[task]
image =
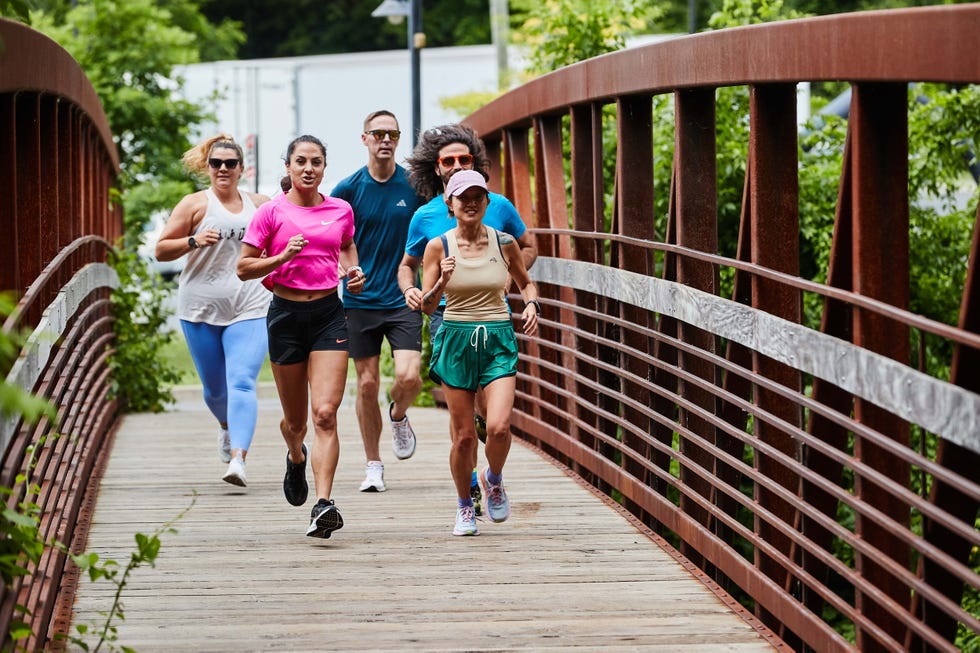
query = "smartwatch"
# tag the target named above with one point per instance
(192, 243)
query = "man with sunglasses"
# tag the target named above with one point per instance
(383, 202)
(442, 152)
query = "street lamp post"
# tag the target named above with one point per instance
(396, 11)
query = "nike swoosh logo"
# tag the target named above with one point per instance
(340, 342)
(326, 224)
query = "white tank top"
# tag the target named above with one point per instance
(208, 289)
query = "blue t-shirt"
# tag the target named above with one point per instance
(433, 220)
(382, 212)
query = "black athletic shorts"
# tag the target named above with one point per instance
(298, 328)
(366, 327)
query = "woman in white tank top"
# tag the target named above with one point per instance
(222, 317)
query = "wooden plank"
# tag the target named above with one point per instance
(240, 575)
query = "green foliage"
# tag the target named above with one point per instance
(141, 379)
(561, 32)
(340, 26)
(128, 50)
(466, 103)
(734, 13)
(144, 200)
(147, 550)
(18, 9)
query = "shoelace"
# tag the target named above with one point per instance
(402, 434)
(496, 493)
(475, 338)
(467, 513)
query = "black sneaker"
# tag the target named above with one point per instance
(477, 497)
(294, 485)
(481, 429)
(324, 519)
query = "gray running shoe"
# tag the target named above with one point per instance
(498, 507)
(402, 436)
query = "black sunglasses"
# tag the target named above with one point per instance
(450, 160)
(379, 134)
(231, 164)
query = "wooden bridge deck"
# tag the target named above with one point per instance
(567, 571)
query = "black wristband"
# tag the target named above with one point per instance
(534, 302)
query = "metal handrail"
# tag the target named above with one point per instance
(725, 424)
(59, 227)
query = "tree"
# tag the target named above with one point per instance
(560, 32)
(340, 26)
(128, 50)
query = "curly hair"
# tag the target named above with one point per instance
(422, 164)
(196, 158)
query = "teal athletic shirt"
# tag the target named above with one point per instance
(382, 212)
(433, 220)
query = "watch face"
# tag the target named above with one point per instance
(192, 243)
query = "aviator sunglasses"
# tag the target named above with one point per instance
(231, 164)
(450, 160)
(379, 134)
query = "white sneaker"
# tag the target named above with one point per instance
(224, 445)
(236, 472)
(465, 521)
(402, 436)
(374, 481)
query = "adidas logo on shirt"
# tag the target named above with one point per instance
(401, 203)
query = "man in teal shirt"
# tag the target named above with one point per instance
(384, 202)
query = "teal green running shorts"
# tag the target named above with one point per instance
(468, 355)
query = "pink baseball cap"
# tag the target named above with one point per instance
(465, 179)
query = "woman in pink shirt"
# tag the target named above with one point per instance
(297, 241)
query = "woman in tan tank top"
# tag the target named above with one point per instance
(476, 346)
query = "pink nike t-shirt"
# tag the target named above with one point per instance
(327, 226)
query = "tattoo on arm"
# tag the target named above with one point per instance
(434, 293)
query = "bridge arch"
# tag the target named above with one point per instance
(58, 164)
(724, 423)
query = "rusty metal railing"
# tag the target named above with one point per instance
(57, 165)
(788, 463)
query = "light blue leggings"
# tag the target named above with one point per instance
(228, 359)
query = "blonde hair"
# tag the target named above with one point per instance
(196, 158)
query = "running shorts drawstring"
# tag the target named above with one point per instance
(475, 338)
